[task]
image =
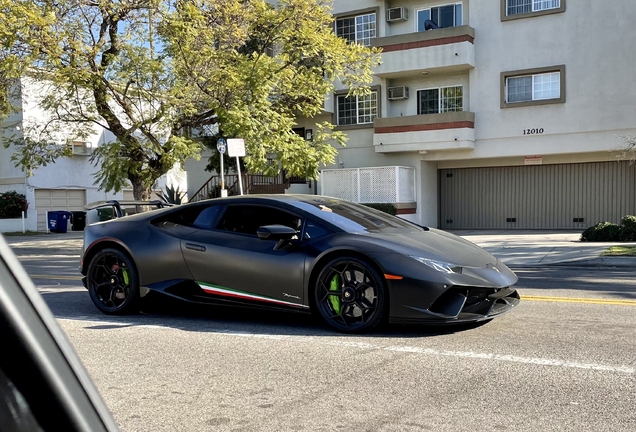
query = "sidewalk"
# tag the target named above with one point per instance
(537, 248)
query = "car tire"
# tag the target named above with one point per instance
(359, 300)
(113, 282)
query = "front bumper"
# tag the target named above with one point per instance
(461, 305)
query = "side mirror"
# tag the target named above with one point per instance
(276, 232)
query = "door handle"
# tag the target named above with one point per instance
(195, 247)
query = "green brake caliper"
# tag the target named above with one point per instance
(334, 299)
(124, 272)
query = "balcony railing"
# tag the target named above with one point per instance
(445, 131)
(392, 184)
(441, 50)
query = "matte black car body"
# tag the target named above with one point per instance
(208, 265)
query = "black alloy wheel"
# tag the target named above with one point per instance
(350, 295)
(113, 283)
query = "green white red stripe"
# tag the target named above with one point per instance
(227, 292)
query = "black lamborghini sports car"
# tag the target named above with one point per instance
(351, 264)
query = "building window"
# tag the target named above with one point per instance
(537, 86)
(533, 87)
(440, 100)
(444, 16)
(359, 29)
(515, 7)
(357, 109)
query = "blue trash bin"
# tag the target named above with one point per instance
(58, 221)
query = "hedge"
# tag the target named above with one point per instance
(12, 204)
(386, 208)
(609, 232)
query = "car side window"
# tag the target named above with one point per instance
(313, 230)
(195, 216)
(206, 217)
(247, 219)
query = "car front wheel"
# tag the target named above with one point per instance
(350, 295)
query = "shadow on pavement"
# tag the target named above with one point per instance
(173, 313)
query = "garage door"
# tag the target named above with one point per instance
(540, 196)
(57, 199)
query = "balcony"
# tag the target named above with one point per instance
(444, 50)
(446, 131)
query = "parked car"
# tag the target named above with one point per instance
(353, 265)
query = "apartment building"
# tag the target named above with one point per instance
(67, 184)
(507, 116)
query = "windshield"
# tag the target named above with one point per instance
(355, 218)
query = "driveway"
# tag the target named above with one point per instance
(541, 247)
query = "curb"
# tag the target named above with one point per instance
(591, 262)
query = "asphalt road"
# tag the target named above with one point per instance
(564, 361)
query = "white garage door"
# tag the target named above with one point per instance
(57, 199)
(539, 196)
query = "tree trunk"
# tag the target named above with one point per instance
(140, 191)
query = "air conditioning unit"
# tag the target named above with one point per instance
(81, 148)
(396, 93)
(397, 14)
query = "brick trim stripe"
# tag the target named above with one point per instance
(406, 211)
(428, 43)
(426, 127)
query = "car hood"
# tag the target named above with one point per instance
(438, 245)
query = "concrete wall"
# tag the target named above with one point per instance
(599, 62)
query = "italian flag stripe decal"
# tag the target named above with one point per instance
(227, 292)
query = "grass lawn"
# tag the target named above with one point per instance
(28, 233)
(620, 251)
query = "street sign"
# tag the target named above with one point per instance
(236, 147)
(220, 145)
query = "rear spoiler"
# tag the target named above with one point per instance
(117, 204)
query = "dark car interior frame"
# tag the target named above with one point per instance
(40, 373)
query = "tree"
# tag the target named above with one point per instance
(153, 71)
(22, 32)
(628, 149)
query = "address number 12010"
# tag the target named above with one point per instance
(532, 131)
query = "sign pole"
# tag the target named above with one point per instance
(238, 168)
(236, 147)
(220, 146)
(222, 177)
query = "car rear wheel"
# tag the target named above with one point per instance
(350, 295)
(113, 283)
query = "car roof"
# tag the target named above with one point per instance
(287, 198)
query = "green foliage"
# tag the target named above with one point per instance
(12, 204)
(171, 195)
(152, 72)
(602, 232)
(606, 231)
(628, 228)
(37, 147)
(24, 27)
(386, 208)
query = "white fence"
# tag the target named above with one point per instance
(392, 184)
(13, 225)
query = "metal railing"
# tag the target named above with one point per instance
(252, 184)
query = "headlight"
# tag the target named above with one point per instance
(439, 265)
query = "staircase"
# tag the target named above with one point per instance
(252, 184)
